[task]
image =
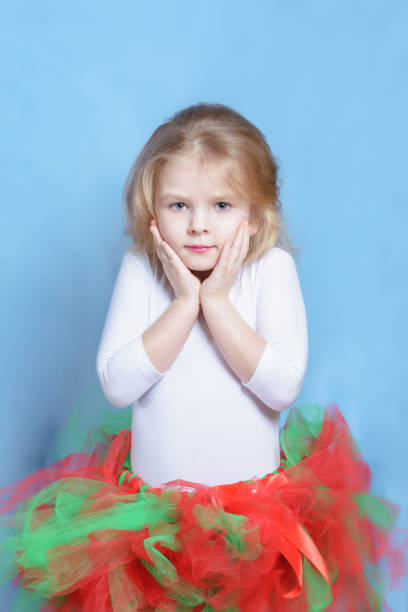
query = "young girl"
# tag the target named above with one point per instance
(203, 505)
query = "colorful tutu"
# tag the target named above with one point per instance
(89, 535)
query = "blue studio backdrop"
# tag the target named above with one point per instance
(85, 84)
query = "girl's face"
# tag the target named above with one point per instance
(194, 206)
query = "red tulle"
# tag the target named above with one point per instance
(305, 534)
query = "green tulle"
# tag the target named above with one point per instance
(91, 420)
(41, 538)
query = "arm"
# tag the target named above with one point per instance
(164, 339)
(123, 364)
(270, 361)
(241, 346)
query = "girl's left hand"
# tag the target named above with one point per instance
(222, 278)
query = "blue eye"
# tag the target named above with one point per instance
(175, 204)
(226, 203)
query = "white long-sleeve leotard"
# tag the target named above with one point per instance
(198, 421)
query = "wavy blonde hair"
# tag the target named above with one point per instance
(211, 133)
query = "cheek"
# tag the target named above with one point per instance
(170, 231)
(231, 230)
(164, 225)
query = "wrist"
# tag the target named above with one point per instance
(213, 301)
(189, 303)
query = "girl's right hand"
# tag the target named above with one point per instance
(185, 284)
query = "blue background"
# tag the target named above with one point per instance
(85, 84)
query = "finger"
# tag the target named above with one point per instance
(156, 235)
(232, 243)
(232, 246)
(159, 244)
(167, 251)
(237, 234)
(240, 245)
(241, 232)
(228, 258)
(238, 240)
(245, 243)
(226, 250)
(245, 232)
(153, 226)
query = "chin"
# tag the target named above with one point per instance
(201, 270)
(201, 261)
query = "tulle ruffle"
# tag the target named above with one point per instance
(89, 535)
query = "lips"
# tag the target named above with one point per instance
(199, 248)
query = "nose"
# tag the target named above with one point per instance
(198, 224)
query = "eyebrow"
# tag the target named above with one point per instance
(181, 197)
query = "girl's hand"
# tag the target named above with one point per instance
(185, 284)
(222, 278)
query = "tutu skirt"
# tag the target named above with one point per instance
(89, 535)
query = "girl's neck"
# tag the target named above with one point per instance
(201, 274)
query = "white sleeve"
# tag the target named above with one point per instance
(281, 321)
(123, 366)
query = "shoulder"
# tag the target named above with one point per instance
(276, 268)
(136, 261)
(276, 257)
(277, 277)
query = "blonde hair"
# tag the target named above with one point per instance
(212, 133)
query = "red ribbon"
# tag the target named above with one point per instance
(293, 541)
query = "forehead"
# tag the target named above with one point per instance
(193, 173)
